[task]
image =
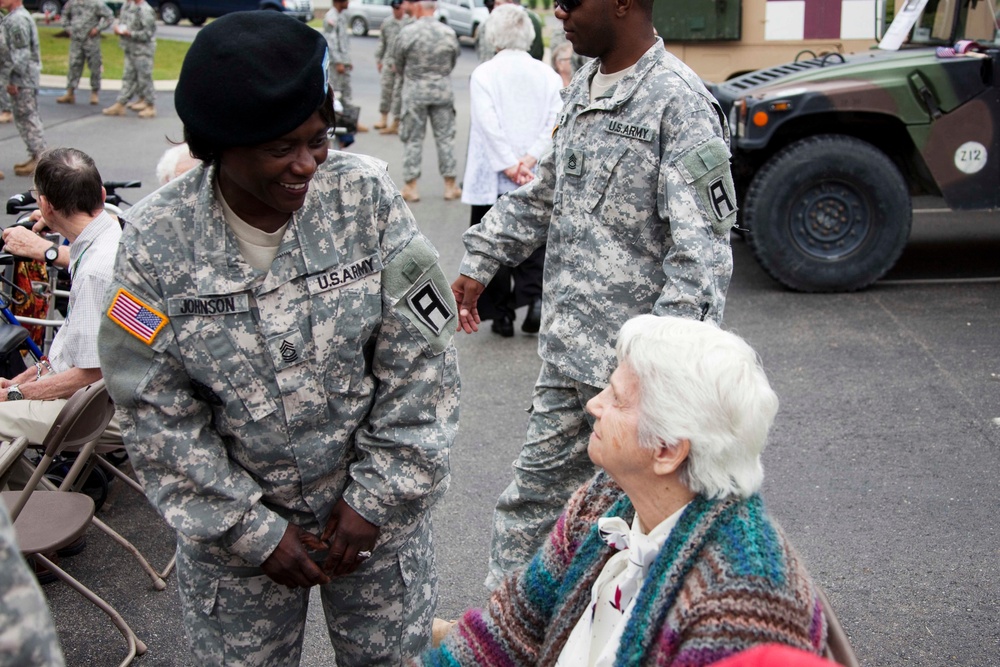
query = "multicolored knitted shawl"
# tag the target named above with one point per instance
(725, 580)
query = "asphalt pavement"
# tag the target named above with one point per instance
(882, 467)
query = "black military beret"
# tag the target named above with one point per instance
(396, 3)
(250, 77)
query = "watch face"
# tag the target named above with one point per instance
(51, 254)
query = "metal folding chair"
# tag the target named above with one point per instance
(46, 521)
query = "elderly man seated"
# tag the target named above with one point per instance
(667, 556)
(70, 198)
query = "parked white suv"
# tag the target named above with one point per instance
(464, 16)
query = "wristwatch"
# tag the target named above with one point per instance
(14, 394)
(52, 254)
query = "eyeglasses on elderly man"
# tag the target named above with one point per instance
(667, 556)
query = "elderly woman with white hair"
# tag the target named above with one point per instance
(514, 100)
(667, 556)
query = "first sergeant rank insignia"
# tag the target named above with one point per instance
(430, 308)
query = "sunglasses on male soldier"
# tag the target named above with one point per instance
(568, 5)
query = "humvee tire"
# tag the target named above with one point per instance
(828, 213)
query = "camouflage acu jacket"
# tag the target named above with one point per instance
(20, 54)
(248, 400)
(635, 202)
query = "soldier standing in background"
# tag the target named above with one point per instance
(338, 40)
(635, 202)
(84, 20)
(20, 69)
(396, 106)
(6, 105)
(426, 53)
(281, 336)
(387, 34)
(136, 29)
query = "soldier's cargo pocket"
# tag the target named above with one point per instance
(407, 126)
(598, 184)
(232, 613)
(211, 359)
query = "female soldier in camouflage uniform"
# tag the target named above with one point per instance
(279, 345)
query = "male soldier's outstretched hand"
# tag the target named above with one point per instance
(467, 291)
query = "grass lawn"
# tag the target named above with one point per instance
(55, 56)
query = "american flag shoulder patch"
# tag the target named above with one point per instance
(136, 317)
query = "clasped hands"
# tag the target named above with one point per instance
(521, 172)
(346, 535)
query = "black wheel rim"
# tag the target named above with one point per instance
(830, 220)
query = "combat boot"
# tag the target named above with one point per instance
(26, 169)
(1, 175)
(451, 190)
(6, 117)
(94, 99)
(23, 164)
(410, 191)
(138, 105)
(361, 128)
(392, 129)
(68, 98)
(148, 112)
(382, 122)
(116, 109)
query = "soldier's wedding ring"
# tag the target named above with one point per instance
(364, 555)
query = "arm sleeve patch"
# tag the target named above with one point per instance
(415, 286)
(706, 169)
(137, 318)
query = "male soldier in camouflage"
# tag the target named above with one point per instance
(20, 68)
(27, 635)
(426, 52)
(136, 29)
(280, 332)
(383, 62)
(84, 20)
(635, 202)
(389, 60)
(338, 40)
(6, 105)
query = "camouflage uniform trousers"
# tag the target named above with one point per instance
(341, 83)
(5, 103)
(379, 615)
(85, 51)
(27, 635)
(27, 120)
(396, 106)
(553, 463)
(412, 129)
(387, 82)
(137, 78)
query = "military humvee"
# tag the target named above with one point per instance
(828, 151)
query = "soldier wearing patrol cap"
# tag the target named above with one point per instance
(278, 343)
(635, 202)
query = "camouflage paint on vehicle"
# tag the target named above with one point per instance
(933, 112)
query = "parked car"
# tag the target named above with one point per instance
(196, 11)
(464, 16)
(828, 151)
(54, 7)
(365, 15)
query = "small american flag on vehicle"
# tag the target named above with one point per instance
(135, 317)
